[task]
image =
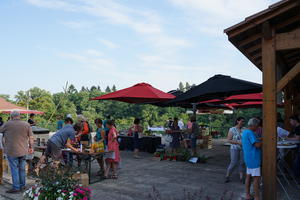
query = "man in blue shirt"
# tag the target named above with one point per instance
(252, 156)
(61, 139)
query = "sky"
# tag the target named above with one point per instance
(46, 43)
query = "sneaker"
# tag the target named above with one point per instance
(137, 157)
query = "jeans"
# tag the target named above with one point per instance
(236, 159)
(18, 173)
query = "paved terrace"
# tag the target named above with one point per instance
(138, 177)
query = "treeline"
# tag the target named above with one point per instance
(73, 101)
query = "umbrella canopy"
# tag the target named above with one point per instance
(237, 99)
(218, 86)
(139, 93)
(176, 93)
(7, 107)
(254, 104)
(22, 111)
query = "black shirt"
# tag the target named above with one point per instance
(295, 131)
(31, 122)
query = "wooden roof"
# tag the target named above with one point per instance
(284, 16)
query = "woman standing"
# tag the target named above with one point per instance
(236, 153)
(136, 130)
(176, 136)
(100, 137)
(113, 146)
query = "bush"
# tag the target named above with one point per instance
(57, 184)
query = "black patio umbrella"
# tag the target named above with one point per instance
(216, 87)
(189, 105)
(165, 103)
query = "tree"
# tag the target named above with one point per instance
(187, 86)
(93, 88)
(107, 90)
(181, 87)
(114, 88)
(72, 89)
(5, 96)
(82, 89)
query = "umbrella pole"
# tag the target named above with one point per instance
(194, 108)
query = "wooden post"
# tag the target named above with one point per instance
(269, 113)
(1, 166)
(288, 107)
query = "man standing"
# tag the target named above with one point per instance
(31, 119)
(18, 142)
(252, 155)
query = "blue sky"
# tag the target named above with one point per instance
(46, 43)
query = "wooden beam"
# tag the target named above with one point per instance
(287, 22)
(288, 107)
(288, 77)
(256, 56)
(289, 40)
(250, 39)
(258, 19)
(253, 48)
(269, 115)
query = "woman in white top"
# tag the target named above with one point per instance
(236, 152)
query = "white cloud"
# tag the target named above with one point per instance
(143, 21)
(77, 24)
(212, 16)
(89, 58)
(108, 43)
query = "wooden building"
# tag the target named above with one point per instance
(270, 39)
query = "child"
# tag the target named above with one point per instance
(113, 146)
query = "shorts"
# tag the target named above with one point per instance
(193, 143)
(109, 156)
(53, 151)
(253, 171)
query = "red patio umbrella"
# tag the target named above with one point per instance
(7, 107)
(255, 97)
(139, 93)
(254, 104)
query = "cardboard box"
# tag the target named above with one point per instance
(83, 178)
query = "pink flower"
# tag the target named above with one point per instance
(75, 194)
(85, 198)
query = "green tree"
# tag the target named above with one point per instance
(107, 90)
(187, 86)
(181, 87)
(72, 89)
(5, 96)
(113, 88)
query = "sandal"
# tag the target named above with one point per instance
(105, 177)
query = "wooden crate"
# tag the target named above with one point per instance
(207, 142)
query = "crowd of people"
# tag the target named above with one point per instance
(18, 142)
(245, 145)
(182, 133)
(246, 153)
